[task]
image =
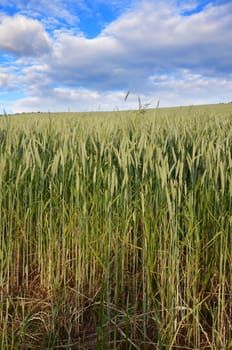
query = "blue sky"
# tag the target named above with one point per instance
(84, 55)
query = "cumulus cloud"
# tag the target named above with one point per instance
(165, 39)
(174, 89)
(143, 42)
(98, 62)
(22, 36)
(153, 49)
(192, 88)
(65, 99)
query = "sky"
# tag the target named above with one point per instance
(85, 55)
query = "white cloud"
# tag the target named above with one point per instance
(179, 88)
(143, 42)
(186, 87)
(187, 5)
(77, 61)
(165, 38)
(23, 36)
(4, 80)
(152, 49)
(64, 99)
(8, 79)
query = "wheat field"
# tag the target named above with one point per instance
(116, 230)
